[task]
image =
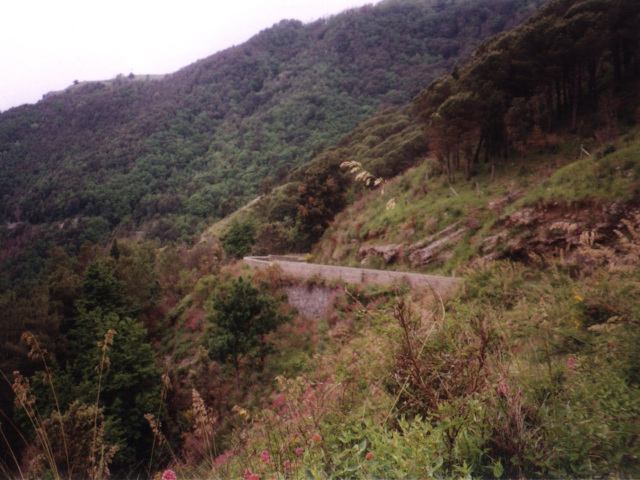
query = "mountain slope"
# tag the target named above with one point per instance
(160, 155)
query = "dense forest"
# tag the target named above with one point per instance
(574, 67)
(136, 347)
(161, 157)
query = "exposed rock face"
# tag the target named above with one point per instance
(559, 229)
(420, 253)
(390, 253)
(429, 253)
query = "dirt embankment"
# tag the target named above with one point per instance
(560, 229)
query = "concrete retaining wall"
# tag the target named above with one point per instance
(354, 275)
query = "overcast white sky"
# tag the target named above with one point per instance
(47, 44)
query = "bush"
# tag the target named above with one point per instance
(240, 237)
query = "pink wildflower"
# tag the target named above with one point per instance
(289, 466)
(299, 451)
(247, 474)
(571, 363)
(503, 389)
(265, 457)
(255, 476)
(370, 456)
(316, 437)
(224, 457)
(169, 475)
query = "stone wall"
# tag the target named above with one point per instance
(313, 301)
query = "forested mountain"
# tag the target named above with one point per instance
(518, 171)
(573, 67)
(161, 155)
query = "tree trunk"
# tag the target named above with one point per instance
(576, 96)
(549, 107)
(472, 161)
(592, 83)
(559, 99)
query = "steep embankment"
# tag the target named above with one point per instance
(526, 213)
(526, 103)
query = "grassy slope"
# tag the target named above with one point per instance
(498, 371)
(425, 203)
(560, 338)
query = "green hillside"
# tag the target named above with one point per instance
(572, 69)
(165, 156)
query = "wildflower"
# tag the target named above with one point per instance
(224, 457)
(316, 437)
(503, 389)
(255, 476)
(370, 456)
(169, 475)
(571, 363)
(299, 451)
(247, 474)
(265, 457)
(288, 466)
(612, 345)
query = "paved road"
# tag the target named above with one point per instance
(353, 275)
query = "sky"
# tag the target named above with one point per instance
(47, 44)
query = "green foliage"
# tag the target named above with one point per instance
(96, 230)
(241, 316)
(101, 289)
(272, 238)
(239, 238)
(537, 78)
(129, 383)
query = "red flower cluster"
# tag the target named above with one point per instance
(169, 475)
(503, 389)
(289, 467)
(251, 476)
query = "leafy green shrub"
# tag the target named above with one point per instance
(241, 316)
(272, 238)
(239, 238)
